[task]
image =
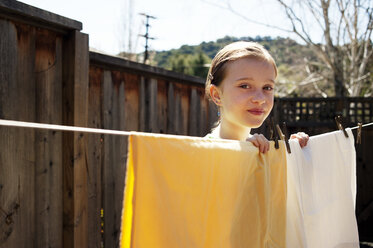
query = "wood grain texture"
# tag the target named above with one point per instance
(110, 218)
(171, 109)
(115, 154)
(95, 157)
(108, 110)
(8, 175)
(131, 101)
(178, 116)
(151, 116)
(185, 105)
(48, 144)
(17, 171)
(119, 167)
(75, 112)
(162, 111)
(142, 105)
(117, 63)
(194, 113)
(80, 141)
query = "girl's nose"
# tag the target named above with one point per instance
(258, 97)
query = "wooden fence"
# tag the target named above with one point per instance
(58, 188)
(54, 185)
(129, 96)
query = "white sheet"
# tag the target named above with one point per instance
(322, 192)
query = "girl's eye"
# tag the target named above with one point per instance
(244, 86)
(269, 88)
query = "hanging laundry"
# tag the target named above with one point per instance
(192, 192)
(322, 193)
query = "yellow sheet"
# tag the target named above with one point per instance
(192, 192)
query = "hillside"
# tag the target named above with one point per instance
(288, 54)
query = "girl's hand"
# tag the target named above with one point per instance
(302, 138)
(259, 141)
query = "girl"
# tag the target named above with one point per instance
(241, 83)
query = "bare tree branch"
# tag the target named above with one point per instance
(342, 9)
(366, 43)
(315, 12)
(229, 7)
(346, 48)
(323, 94)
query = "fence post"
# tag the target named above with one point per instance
(75, 113)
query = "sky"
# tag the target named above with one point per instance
(115, 25)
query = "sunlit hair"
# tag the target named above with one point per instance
(232, 52)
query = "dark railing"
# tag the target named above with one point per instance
(311, 112)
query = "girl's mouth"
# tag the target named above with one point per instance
(256, 111)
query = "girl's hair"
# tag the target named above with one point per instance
(232, 52)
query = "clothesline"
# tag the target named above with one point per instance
(12, 123)
(365, 125)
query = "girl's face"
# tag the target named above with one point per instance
(245, 95)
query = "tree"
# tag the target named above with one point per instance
(346, 47)
(347, 43)
(199, 65)
(180, 63)
(191, 64)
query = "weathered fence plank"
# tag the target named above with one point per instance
(178, 110)
(193, 113)
(119, 168)
(48, 144)
(131, 89)
(185, 104)
(115, 149)
(21, 99)
(142, 105)
(151, 117)
(75, 113)
(162, 111)
(171, 109)
(95, 145)
(17, 175)
(108, 161)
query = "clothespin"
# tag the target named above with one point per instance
(273, 133)
(338, 120)
(283, 137)
(280, 132)
(286, 137)
(269, 125)
(358, 138)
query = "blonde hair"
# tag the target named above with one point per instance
(232, 52)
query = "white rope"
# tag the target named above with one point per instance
(10, 123)
(365, 125)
